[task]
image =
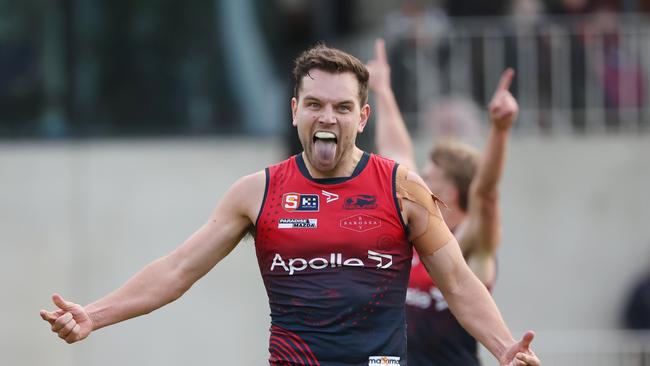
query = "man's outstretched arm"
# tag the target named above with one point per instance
(167, 278)
(468, 298)
(472, 305)
(392, 139)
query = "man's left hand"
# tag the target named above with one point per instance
(520, 354)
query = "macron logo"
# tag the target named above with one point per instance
(383, 360)
(330, 197)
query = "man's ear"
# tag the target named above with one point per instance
(365, 114)
(294, 109)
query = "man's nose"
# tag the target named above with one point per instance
(328, 115)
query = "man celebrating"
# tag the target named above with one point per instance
(330, 227)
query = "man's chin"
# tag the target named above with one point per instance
(324, 166)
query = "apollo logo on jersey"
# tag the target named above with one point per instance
(383, 360)
(334, 260)
(292, 202)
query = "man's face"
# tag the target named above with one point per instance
(328, 116)
(438, 183)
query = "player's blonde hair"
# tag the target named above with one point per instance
(459, 162)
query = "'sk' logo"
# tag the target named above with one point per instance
(379, 257)
(330, 197)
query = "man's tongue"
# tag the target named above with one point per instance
(325, 150)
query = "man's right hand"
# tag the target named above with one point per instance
(70, 321)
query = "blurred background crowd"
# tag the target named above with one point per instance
(141, 68)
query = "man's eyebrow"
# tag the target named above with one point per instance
(313, 98)
(347, 101)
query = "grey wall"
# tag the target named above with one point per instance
(81, 218)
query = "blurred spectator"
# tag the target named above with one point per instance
(528, 46)
(617, 66)
(416, 36)
(598, 53)
(464, 8)
(637, 306)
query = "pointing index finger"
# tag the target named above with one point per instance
(506, 79)
(46, 315)
(50, 317)
(380, 50)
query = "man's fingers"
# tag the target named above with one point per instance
(67, 328)
(61, 303)
(527, 359)
(506, 79)
(527, 339)
(51, 316)
(73, 336)
(61, 322)
(380, 50)
(502, 114)
(47, 316)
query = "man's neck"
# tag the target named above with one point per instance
(344, 168)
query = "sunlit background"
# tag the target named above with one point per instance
(122, 123)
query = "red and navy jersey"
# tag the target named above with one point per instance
(335, 261)
(435, 338)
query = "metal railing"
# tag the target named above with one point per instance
(574, 74)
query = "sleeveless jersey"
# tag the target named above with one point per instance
(335, 261)
(435, 336)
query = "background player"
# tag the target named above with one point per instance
(469, 187)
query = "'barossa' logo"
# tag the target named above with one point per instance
(360, 223)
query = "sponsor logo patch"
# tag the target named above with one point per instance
(360, 202)
(360, 223)
(329, 196)
(333, 260)
(383, 260)
(383, 360)
(297, 223)
(300, 202)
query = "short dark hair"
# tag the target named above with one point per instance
(332, 60)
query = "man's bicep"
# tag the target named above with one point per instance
(427, 229)
(443, 265)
